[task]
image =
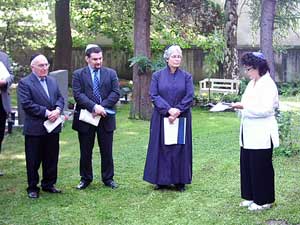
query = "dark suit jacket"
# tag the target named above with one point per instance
(4, 90)
(83, 93)
(35, 101)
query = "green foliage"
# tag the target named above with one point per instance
(289, 88)
(243, 84)
(289, 132)
(214, 98)
(20, 28)
(143, 62)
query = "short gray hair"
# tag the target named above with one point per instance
(169, 51)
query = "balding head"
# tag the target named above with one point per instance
(39, 65)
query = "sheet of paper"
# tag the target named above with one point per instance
(50, 126)
(220, 107)
(174, 133)
(3, 72)
(88, 117)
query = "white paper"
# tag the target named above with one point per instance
(219, 107)
(3, 72)
(171, 131)
(50, 126)
(88, 117)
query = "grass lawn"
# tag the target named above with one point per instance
(212, 198)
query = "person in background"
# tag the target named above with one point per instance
(41, 100)
(172, 93)
(5, 107)
(258, 133)
(95, 88)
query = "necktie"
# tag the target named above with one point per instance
(44, 85)
(96, 88)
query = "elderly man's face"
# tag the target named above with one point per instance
(40, 66)
(95, 60)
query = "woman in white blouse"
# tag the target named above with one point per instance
(258, 133)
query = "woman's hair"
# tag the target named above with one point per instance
(170, 50)
(256, 60)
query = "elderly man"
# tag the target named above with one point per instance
(5, 82)
(41, 100)
(96, 89)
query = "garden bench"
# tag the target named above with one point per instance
(215, 85)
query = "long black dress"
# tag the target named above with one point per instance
(169, 164)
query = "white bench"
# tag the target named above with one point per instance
(219, 86)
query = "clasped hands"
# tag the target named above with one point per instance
(99, 110)
(53, 115)
(174, 113)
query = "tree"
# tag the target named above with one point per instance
(277, 20)
(230, 64)
(141, 107)
(63, 45)
(266, 32)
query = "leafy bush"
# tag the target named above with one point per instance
(214, 98)
(289, 88)
(289, 132)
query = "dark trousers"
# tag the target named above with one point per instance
(257, 175)
(41, 149)
(86, 141)
(3, 116)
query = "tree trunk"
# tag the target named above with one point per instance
(266, 32)
(230, 64)
(63, 45)
(141, 107)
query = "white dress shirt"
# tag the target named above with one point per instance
(258, 123)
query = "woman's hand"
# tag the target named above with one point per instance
(237, 105)
(174, 112)
(171, 119)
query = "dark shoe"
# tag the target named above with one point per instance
(180, 187)
(51, 190)
(82, 185)
(112, 184)
(1, 173)
(33, 194)
(159, 187)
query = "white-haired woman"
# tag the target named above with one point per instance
(171, 92)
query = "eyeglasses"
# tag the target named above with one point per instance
(176, 56)
(248, 69)
(43, 65)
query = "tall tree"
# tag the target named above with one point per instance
(266, 32)
(141, 107)
(63, 45)
(230, 64)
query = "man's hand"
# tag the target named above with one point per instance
(99, 110)
(53, 115)
(2, 83)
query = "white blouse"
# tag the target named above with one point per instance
(258, 123)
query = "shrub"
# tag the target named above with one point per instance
(289, 132)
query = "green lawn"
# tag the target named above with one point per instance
(212, 198)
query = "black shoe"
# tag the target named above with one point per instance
(82, 185)
(33, 194)
(159, 187)
(180, 187)
(51, 190)
(1, 173)
(112, 184)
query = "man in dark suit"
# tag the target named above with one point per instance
(41, 100)
(5, 107)
(95, 88)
